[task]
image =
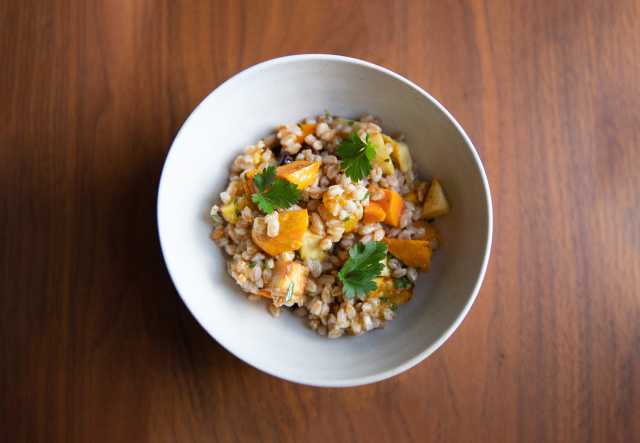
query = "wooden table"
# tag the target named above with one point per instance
(98, 347)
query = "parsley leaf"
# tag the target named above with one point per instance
(356, 156)
(265, 178)
(362, 267)
(273, 192)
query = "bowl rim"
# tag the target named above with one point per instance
(409, 363)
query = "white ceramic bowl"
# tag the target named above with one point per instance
(246, 108)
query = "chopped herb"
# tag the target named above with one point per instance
(252, 264)
(384, 299)
(402, 283)
(345, 218)
(366, 196)
(394, 307)
(362, 267)
(356, 156)
(273, 192)
(290, 289)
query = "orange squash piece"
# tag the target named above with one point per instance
(392, 295)
(374, 213)
(300, 172)
(384, 285)
(392, 204)
(431, 234)
(293, 225)
(401, 296)
(307, 128)
(414, 253)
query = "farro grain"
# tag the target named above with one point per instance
(401, 272)
(326, 244)
(315, 307)
(378, 234)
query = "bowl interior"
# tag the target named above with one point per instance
(246, 108)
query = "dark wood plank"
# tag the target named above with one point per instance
(97, 346)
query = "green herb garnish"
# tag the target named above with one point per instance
(290, 290)
(356, 156)
(273, 192)
(402, 283)
(362, 267)
(252, 265)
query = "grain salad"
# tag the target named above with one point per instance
(327, 219)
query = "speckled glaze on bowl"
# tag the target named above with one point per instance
(246, 108)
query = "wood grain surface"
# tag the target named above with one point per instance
(96, 345)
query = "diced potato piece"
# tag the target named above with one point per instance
(231, 211)
(307, 128)
(414, 253)
(374, 213)
(393, 205)
(382, 157)
(411, 197)
(288, 283)
(402, 156)
(300, 172)
(293, 225)
(311, 247)
(435, 204)
(350, 223)
(400, 153)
